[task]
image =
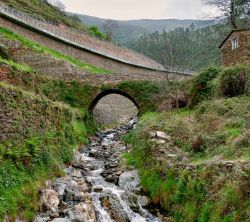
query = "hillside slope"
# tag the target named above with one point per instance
(195, 163)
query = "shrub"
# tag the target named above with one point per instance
(97, 33)
(203, 86)
(233, 81)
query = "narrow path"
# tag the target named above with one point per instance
(97, 188)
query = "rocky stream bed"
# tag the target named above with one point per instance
(97, 188)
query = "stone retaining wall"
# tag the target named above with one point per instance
(47, 65)
(82, 54)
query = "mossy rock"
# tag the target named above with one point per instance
(4, 52)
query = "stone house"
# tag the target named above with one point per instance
(235, 49)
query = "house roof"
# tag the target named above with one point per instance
(234, 30)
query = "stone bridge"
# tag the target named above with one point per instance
(125, 64)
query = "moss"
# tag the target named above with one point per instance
(143, 92)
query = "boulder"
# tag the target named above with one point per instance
(162, 135)
(129, 181)
(81, 213)
(61, 220)
(144, 201)
(50, 200)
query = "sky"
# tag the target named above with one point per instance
(139, 9)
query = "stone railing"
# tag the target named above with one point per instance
(81, 39)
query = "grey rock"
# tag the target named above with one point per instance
(144, 201)
(61, 220)
(81, 213)
(129, 181)
(42, 219)
(50, 200)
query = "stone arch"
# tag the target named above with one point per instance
(112, 91)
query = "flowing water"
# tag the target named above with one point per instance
(114, 192)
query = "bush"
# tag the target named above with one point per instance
(203, 86)
(97, 33)
(234, 80)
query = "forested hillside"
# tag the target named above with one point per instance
(128, 31)
(188, 48)
(187, 44)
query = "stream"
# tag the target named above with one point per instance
(97, 188)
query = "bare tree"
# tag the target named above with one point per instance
(231, 11)
(109, 27)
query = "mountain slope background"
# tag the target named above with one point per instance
(186, 44)
(129, 31)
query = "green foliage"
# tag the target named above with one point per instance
(188, 48)
(17, 66)
(234, 81)
(32, 161)
(142, 91)
(43, 49)
(96, 32)
(203, 86)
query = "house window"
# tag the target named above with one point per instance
(234, 43)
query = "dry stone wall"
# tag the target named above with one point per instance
(98, 60)
(47, 65)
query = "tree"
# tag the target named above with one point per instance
(109, 26)
(231, 10)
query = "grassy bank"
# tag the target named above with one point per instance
(7, 34)
(38, 137)
(201, 171)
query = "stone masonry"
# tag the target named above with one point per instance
(241, 53)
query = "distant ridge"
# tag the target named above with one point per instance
(130, 30)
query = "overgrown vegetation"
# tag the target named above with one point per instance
(45, 135)
(203, 86)
(215, 82)
(188, 176)
(43, 49)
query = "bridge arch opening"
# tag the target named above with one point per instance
(113, 106)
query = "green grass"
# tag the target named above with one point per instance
(43, 49)
(17, 66)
